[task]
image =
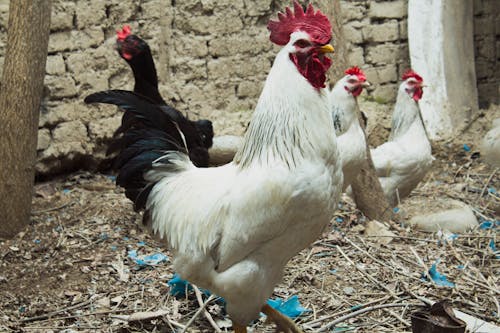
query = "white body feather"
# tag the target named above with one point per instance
(403, 161)
(233, 228)
(350, 136)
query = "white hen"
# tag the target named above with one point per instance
(233, 228)
(403, 161)
(350, 136)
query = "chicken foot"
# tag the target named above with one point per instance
(283, 323)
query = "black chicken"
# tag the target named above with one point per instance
(136, 52)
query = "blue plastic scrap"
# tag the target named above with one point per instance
(291, 307)
(149, 260)
(486, 224)
(178, 286)
(339, 220)
(438, 278)
(466, 147)
(492, 245)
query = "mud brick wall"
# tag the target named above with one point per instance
(212, 59)
(487, 50)
(378, 42)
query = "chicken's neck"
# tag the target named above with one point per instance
(406, 117)
(344, 108)
(291, 122)
(146, 79)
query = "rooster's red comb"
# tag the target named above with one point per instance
(122, 34)
(356, 71)
(411, 73)
(316, 24)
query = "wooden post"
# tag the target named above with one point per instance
(20, 95)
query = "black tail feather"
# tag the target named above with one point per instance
(148, 133)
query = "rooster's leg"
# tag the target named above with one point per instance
(239, 328)
(284, 323)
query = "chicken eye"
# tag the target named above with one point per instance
(352, 81)
(301, 43)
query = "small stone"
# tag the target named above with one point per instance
(349, 291)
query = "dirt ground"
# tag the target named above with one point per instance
(69, 271)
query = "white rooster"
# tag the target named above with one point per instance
(402, 162)
(233, 228)
(350, 136)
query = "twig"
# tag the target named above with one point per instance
(50, 314)
(369, 277)
(37, 212)
(359, 312)
(466, 277)
(197, 313)
(315, 321)
(399, 271)
(403, 237)
(422, 263)
(486, 184)
(205, 312)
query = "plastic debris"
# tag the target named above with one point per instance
(291, 307)
(333, 271)
(37, 241)
(486, 224)
(466, 147)
(113, 248)
(178, 286)
(492, 246)
(461, 267)
(339, 220)
(446, 237)
(149, 260)
(395, 209)
(438, 278)
(141, 243)
(492, 190)
(66, 191)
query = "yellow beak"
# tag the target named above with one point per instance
(326, 49)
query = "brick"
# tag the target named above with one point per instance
(44, 139)
(386, 92)
(384, 32)
(403, 29)
(60, 86)
(355, 56)
(62, 16)
(388, 9)
(55, 65)
(87, 18)
(352, 34)
(383, 74)
(234, 44)
(352, 10)
(383, 54)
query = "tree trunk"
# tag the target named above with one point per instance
(331, 8)
(22, 85)
(367, 191)
(366, 188)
